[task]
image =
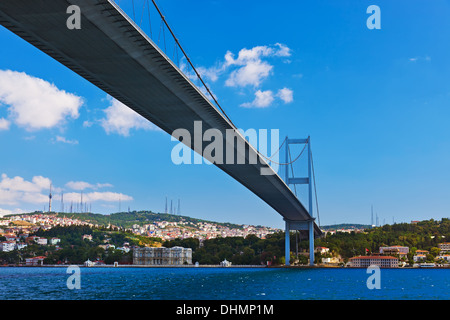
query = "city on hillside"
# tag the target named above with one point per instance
(50, 238)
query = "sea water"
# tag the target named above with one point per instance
(125, 283)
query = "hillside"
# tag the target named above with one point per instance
(346, 226)
(128, 219)
(423, 235)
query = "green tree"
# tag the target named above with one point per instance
(435, 251)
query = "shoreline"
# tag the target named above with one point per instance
(204, 266)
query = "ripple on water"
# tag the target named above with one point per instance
(222, 283)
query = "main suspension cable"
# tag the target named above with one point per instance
(287, 163)
(191, 64)
(292, 169)
(315, 189)
(165, 23)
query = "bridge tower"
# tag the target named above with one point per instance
(299, 225)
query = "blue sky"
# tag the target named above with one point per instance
(375, 103)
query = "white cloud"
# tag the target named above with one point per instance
(34, 103)
(64, 140)
(103, 185)
(251, 74)
(97, 196)
(252, 69)
(283, 50)
(87, 124)
(285, 94)
(82, 185)
(4, 212)
(205, 73)
(187, 70)
(79, 185)
(263, 99)
(209, 73)
(4, 124)
(247, 55)
(415, 59)
(18, 191)
(249, 68)
(20, 184)
(121, 119)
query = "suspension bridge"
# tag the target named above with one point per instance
(150, 72)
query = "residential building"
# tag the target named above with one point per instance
(20, 245)
(381, 261)
(395, 250)
(162, 256)
(54, 241)
(419, 257)
(124, 249)
(41, 241)
(225, 263)
(11, 237)
(445, 246)
(35, 261)
(31, 239)
(322, 250)
(330, 260)
(107, 246)
(445, 257)
(7, 246)
(87, 236)
(88, 263)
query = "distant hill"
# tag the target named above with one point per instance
(346, 226)
(128, 219)
(423, 235)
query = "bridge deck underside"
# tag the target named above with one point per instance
(111, 52)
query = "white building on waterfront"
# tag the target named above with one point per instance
(381, 261)
(162, 256)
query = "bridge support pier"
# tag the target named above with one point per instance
(298, 225)
(287, 244)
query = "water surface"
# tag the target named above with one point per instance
(222, 284)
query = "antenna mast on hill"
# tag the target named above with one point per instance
(166, 206)
(50, 199)
(372, 217)
(62, 201)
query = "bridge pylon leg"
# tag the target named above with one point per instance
(287, 244)
(311, 242)
(307, 225)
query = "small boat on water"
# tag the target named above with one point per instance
(428, 265)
